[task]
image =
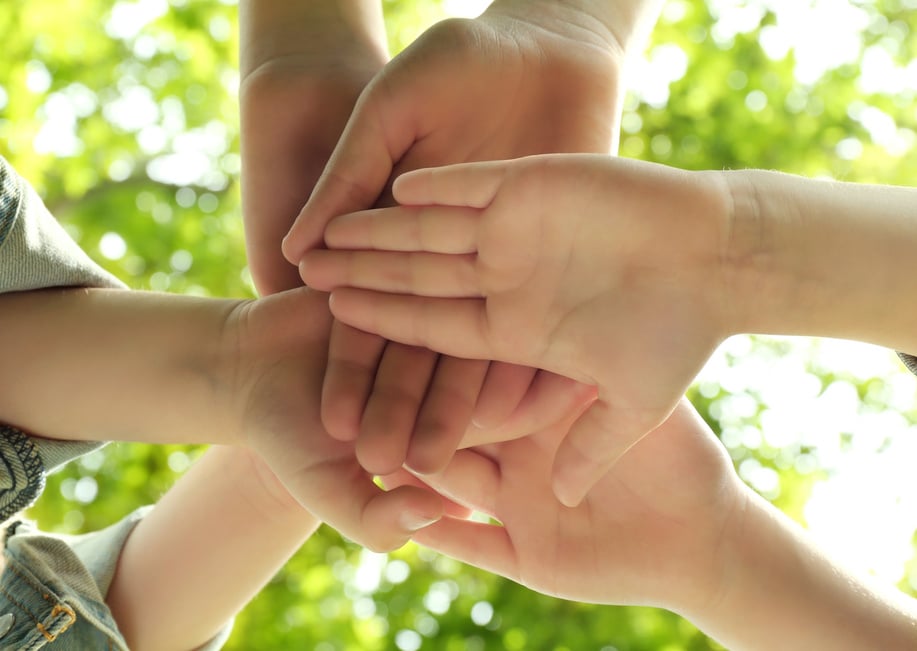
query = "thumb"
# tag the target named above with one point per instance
(598, 438)
(377, 135)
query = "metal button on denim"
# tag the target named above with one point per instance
(6, 623)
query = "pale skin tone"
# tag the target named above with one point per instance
(670, 525)
(558, 88)
(303, 66)
(171, 571)
(173, 369)
(621, 274)
(248, 374)
(205, 550)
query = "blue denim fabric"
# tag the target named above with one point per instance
(54, 597)
(53, 587)
(35, 252)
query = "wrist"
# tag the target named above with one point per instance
(778, 590)
(822, 258)
(619, 27)
(318, 35)
(263, 488)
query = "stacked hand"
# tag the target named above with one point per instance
(497, 86)
(603, 270)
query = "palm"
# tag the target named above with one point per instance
(642, 533)
(585, 295)
(284, 339)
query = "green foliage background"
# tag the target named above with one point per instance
(64, 63)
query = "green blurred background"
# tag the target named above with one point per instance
(124, 116)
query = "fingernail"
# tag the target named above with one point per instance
(411, 521)
(566, 495)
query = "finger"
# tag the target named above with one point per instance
(419, 274)
(402, 477)
(344, 496)
(456, 327)
(391, 411)
(550, 400)
(596, 441)
(503, 390)
(445, 413)
(467, 184)
(353, 357)
(487, 546)
(434, 229)
(471, 479)
(359, 167)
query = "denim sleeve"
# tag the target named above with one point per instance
(35, 252)
(910, 361)
(54, 588)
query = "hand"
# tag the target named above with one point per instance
(604, 270)
(276, 349)
(443, 100)
(303, 66)
(648, 533)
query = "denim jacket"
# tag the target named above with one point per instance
(53, 587)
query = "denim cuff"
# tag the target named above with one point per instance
(910, 361)
(22, 472)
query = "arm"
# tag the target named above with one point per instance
(97, 364)
(671, 526)
(303, 64)
(586, 266)
(208, 546)
(822, 258)
(155, 367)
(781, 591)
(558, 88)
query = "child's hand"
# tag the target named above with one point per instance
(278, 346)
(407, 405)
(403, 410)
(648, 533)
(604, 270)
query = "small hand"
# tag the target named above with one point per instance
(603, 270)
(280, 343)
(293, 111)
(442, 100)
(647, 533)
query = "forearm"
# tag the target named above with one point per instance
(822, 258)
(210, 544)
(781, 592)
(97, 364)
(345, 30)
(623, 25)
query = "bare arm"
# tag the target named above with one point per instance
(780, 590)
(823, 258)
(97, 364)
(210, 544)
(92, 364)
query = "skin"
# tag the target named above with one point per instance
(172, 569)
(586, 265)
(558, 88)
(232, 372)
(303, 66)
(670, 525)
